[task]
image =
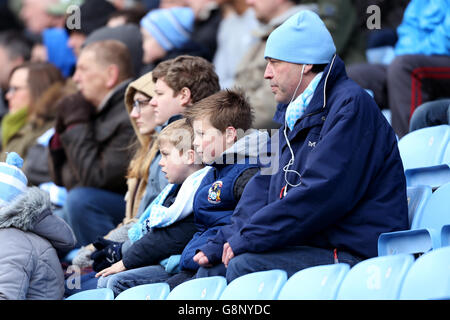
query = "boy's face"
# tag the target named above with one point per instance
(209, 142)
(165, 103)
(175, 164)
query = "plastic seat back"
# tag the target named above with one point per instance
(436, 212)
(315, 283)
(417, 198)
(263, 285)
(378, 278)
(433, 176)
(93, 294)
(151, 291)
(209, 288)
(424, 147)
(429, 277)
(445, 236)
(446, 157)
(425, 233)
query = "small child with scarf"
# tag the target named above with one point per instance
(167, 224)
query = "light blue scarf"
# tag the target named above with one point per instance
(297, 107)
(158, 216)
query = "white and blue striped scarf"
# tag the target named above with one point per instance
(158, 216)
(297, 107)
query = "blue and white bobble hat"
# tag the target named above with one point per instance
(171, 27)
(13, 181)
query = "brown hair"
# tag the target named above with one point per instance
(139, 167)
(113, 52)
(179, 133)
(195, 73)
(223, 109)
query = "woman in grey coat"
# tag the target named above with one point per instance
(29, 237)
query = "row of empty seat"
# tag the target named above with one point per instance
(425, 155)
(429, 214)
(394, 277)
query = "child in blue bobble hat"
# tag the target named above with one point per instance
(29, 236)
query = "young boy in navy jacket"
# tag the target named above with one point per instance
(218, 121)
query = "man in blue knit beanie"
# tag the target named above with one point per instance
(341, 181)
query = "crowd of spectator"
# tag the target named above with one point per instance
(94, 91)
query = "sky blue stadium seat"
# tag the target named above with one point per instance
(378, 278)
(263, 285)
(433, 176)
(445, 236)
(424, 147)
(429, 277)
(417, 198)
(93, 294)
(209, 288)
(446, 157)
(315, 283)
(425, 233)
(151, 291)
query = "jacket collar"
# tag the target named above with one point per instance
(316, 105)
(116, 93)
(246, 150)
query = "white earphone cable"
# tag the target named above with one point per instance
(292, 160)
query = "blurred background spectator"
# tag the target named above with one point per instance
(15, 49)
(94, 15)
(237, 19)
(28, 117)
(416, 69)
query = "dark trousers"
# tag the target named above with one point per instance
(291, 260)
(403, 85)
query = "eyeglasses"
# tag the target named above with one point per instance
(138, 104)
(13, 90)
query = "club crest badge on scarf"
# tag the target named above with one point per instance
(214, 192)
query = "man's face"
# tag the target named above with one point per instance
(284, 78)
(265, 10)
(91, 77)
(76, 40)
(197, 5)
(34, 15)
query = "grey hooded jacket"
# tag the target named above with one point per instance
(29, 233)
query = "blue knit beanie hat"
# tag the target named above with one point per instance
(13, 181)
(302, 39)
(171, 27)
